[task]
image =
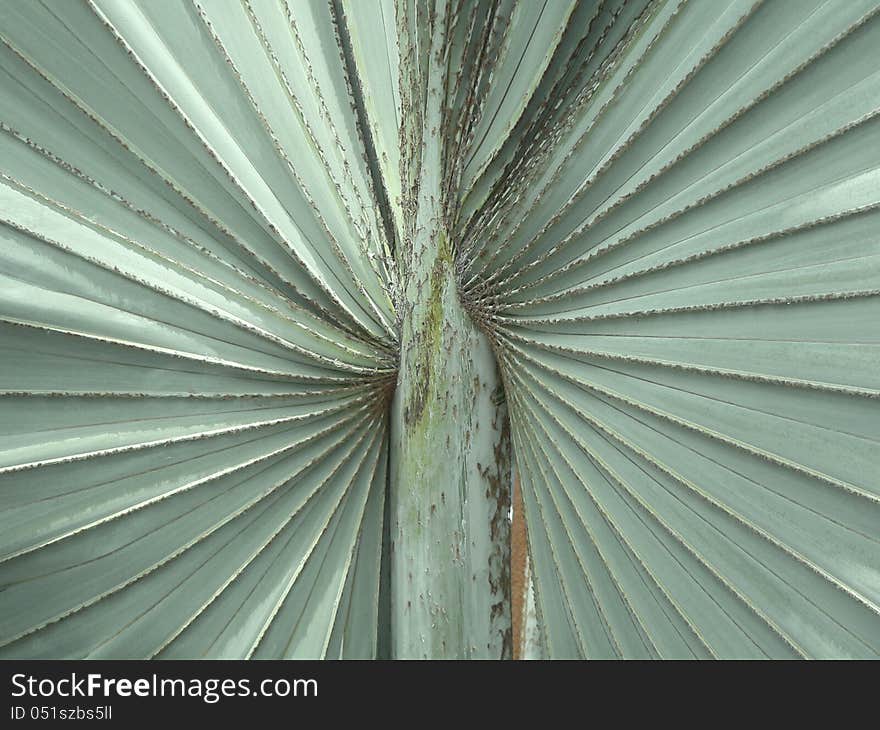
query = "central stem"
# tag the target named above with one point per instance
(450, 580)
(449, 494)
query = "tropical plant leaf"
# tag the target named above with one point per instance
(664, 217)
(196, 324)
(683, 290)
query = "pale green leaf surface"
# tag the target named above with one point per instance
(664, 215)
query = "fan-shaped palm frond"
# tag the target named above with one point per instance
(661, 216)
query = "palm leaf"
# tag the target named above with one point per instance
(664, 217)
